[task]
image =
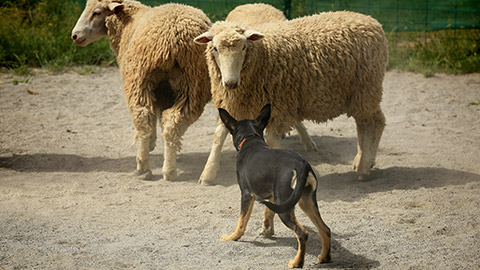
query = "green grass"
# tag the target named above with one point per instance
(447, 51)
(36, 33)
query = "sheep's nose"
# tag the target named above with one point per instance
(74, 37)
(231, 85)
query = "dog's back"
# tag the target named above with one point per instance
(282, 173)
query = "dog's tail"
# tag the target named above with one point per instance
(300, 180)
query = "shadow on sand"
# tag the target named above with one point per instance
(342, 258)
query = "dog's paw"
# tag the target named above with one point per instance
(326, 259)
(295, 264)
(231, 237)
(225, 237)
(267, 232)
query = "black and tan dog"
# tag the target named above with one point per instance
(280, 176)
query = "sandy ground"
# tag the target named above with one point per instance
(68, 201)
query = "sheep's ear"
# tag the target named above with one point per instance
(254, 35)
(228, 120)
(204, 38)
(116, 7)
(264, 116)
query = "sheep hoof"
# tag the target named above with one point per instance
(169, 176)
(205, 182)
(143, 175)
(362, 177)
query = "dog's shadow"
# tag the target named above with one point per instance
(341, 257)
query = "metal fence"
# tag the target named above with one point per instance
(394, 15)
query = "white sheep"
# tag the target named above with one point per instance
(164, 72)
(312, 68)
(258, 13)
(248, 14)
(252, 14)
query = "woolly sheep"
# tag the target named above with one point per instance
(248, 14)
(164, 72)
(312, 68)
(252, 14)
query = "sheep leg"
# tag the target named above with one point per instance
(174, 125)
(379, 118)
(144, 122)
(153, 136)
(213, 162)
(369, 132)
(169, 169)
(305, 138)
(272, 139)
(143, 156)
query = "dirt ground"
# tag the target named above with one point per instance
(68, 200)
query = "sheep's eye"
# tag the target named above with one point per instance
(244, 48)
(215, 49)
(95, 13)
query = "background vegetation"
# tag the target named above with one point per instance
(36, 33)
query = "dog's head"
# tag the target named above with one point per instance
(245, 128)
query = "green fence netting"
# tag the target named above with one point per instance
(395, 15)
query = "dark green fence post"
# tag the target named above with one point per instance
(426, 23)
(287, 9)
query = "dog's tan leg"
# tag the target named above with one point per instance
(292, 223)
(309, 205)
(267, 227)
(245, 212)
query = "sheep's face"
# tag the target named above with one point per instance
(91, 24)
(229, 49)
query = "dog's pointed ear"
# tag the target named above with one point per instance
(227, 120)
(264, 116)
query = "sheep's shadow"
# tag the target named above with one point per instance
(341, 257)
(190, 165)
(393, 178)
(332, 150)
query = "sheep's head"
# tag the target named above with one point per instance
(91, 24)
(228, 42)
